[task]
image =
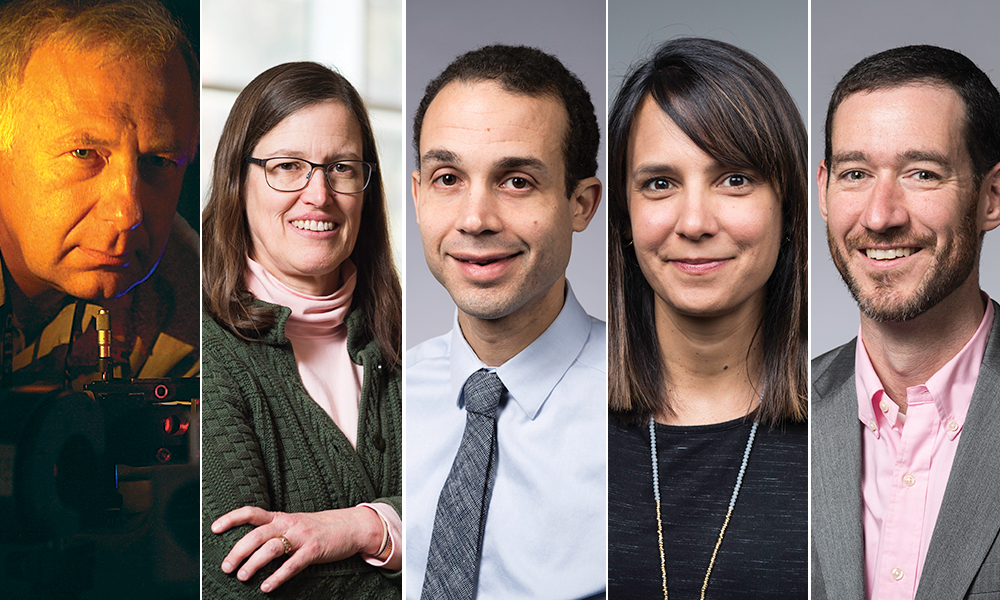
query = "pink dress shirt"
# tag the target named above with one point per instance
(907, 460)
(319, 341)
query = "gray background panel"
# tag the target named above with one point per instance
(775, 31)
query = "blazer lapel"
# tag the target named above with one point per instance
(969, 520)
(837, 535)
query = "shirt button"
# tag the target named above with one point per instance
(884, 406)
(952, 425)
(897, 573)
(909, 480)
(872, 426)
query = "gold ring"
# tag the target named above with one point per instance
(285, 543)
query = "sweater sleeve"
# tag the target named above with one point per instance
(233, 475)
(258, 451)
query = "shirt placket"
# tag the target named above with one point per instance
(903, 526)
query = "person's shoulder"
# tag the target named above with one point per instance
(429, 351)
(212, 331)
(218, 343)
(180, 257)
(427, 375)
(227, 368)
(176, 283)
(832, 368)
(823, 362)
(595, 350)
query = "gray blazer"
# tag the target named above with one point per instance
(963, 560)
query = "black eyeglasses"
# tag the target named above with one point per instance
(286, 174)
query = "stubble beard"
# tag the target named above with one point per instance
(886, 304)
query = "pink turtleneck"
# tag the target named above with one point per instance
(319, 341)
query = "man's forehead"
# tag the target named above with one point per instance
(900, 120)
(102, 81)
(485, 116)
(935, 102)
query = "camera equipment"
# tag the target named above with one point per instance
(99, 490)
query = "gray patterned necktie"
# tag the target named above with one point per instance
(457, 539)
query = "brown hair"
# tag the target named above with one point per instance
(266, 101)
(736, 110)
(142, 28)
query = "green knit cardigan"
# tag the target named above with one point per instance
(266, 443)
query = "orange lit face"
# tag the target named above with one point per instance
(94, 171)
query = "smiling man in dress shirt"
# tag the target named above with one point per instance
(506, 141)
(906, 427)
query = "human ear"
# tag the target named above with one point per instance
(990, 197)
(415, 191)
(585, 199)
(821, 179)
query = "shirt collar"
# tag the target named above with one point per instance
(951, 387)
(532, 374)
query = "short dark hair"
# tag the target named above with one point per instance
(736, 110)
(261, 106)
(530, 72)
(930, 65)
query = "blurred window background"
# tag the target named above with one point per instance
(361, 39)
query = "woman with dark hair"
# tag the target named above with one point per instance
(708, 248)
(301, 343)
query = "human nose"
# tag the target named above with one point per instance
(885, 208)
(317, 191)
(122, 202)
(478, 212)
(696, 217)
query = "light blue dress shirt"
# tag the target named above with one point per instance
(546, 530)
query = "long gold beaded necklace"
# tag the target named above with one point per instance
(729, 513)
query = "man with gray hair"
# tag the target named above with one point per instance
(98, 122)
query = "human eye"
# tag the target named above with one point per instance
(656, 187)
(157, 169)
(80, 164)
(446, 180)
(160, 162)
(286, 165)
(516, 183)
(737, 180)
(342, 169)
(84, 153)
(853, 175)
(657, 184)
(923, 179)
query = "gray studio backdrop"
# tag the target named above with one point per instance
(437, 31)
(775, 31)
(844, 32)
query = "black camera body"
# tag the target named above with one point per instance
(99, 490)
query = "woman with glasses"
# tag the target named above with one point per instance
(301, 343)
(707, 444)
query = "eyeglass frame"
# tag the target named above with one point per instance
(262, 162)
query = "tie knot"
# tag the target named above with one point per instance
(482, 392)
